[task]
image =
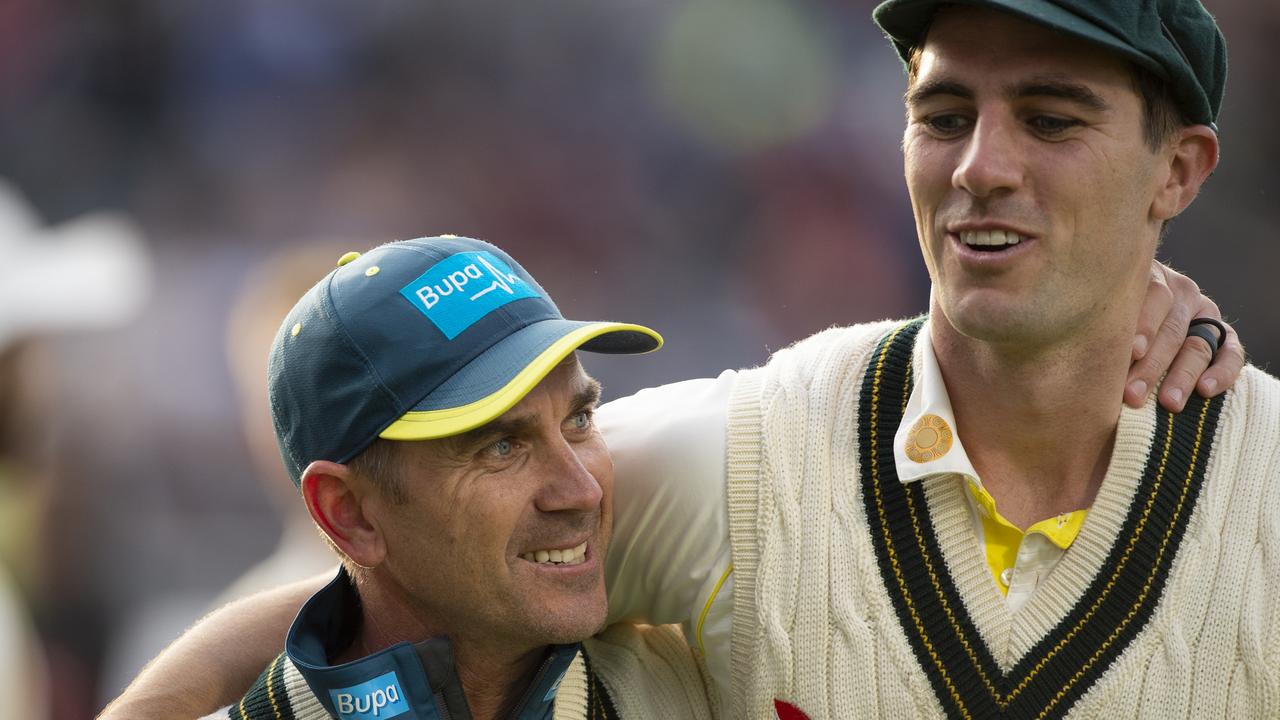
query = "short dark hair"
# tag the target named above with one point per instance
(380, 465)
(1161, 116)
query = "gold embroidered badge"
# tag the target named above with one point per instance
(929, 439)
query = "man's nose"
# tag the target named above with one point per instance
(568, 484)
(991, 162)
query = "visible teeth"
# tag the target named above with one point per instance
(569, 556)
(990, 237)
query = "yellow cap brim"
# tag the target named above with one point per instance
(431, 424)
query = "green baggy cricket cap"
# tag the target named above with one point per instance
(1178, 40)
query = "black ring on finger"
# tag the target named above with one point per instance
(1197, 329)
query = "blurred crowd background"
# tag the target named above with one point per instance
(726, 171)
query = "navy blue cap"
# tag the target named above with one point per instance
(418, 339)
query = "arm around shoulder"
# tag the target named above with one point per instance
(212, 664)
(671, 526)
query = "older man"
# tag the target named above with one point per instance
(957, 517)
(429, 407)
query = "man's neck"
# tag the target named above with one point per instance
(494, 677)
(1038, 425)
(495, 681)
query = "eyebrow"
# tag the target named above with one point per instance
(1040, 86)
(1057, 87)
(588, 395)
(920, 92)
(501, 427)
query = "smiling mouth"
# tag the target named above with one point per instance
(567, 556)
(989, 240)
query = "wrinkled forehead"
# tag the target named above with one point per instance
(568, 374)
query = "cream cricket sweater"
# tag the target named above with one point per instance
(860, 597)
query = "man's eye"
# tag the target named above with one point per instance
(502, 448)
(1051, 124)
(946, 123)
(581, 420)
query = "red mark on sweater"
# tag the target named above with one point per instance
(787, 711)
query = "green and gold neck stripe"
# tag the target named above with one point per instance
(1121, 597)
(599, 704)
(267, 699)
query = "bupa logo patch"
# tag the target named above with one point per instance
(380, 698)
(459, 290)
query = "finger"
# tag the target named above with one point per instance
(1155, 306)
(1193, 358)
(1169, 335)
(1226, 367)
(1187, 302)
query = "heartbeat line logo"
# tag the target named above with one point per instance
(459, 290)
(501, 279)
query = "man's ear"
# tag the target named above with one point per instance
(1192, 157)
(334, 500)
